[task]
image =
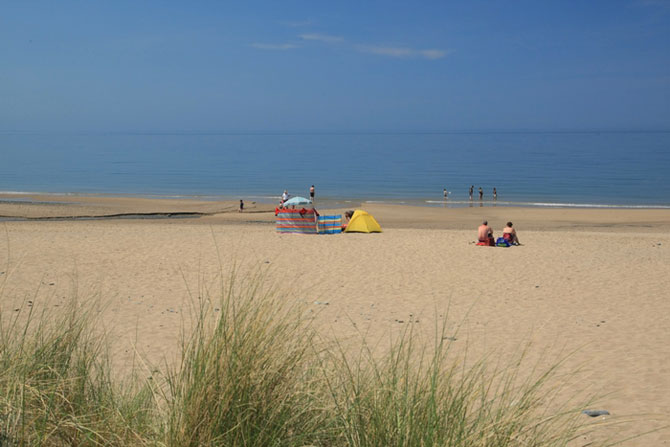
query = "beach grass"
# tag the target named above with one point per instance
(56, 385)
(247, 376)
(418, 395)
(252, 371)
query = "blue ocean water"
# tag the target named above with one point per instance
(527, 168)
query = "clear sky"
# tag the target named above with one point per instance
(334, 66)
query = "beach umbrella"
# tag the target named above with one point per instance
(296, 201)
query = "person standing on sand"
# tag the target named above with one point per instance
(472, 188)
(495, 194)
(311, 193)
(284, 196)
(241, 206)
(481, 193)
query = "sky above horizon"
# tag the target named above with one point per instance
(334, 66)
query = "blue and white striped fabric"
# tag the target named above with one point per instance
(330, 224)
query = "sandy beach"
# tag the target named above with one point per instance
(592, 281)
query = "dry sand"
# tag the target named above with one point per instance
(594, 281)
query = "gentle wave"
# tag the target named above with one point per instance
(34, 193)
(548, 204)
(390, 202)
(594, 205)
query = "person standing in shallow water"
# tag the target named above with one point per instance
(311, 193)
(495, 194)
(445, 193)
(481, 193)
(472, 188)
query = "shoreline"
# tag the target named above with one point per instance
(33, 207)
(28, 197)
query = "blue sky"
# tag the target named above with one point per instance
(334, 66)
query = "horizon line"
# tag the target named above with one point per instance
(329, 131)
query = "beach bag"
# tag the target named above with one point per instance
(502, 242)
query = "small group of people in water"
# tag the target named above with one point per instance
(446, 193)
(485, 234)
(481, 193)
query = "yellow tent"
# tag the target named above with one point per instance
(362, 222)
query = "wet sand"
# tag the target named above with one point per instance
(593, 281)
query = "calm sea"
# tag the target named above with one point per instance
(528, 168)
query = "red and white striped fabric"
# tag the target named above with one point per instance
(296, 221)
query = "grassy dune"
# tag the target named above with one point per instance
(252, 372)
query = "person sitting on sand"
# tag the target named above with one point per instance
(509, 234)
(485, 234)
(347, 218)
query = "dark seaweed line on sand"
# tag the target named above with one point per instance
(171, 215)
(181, 215)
